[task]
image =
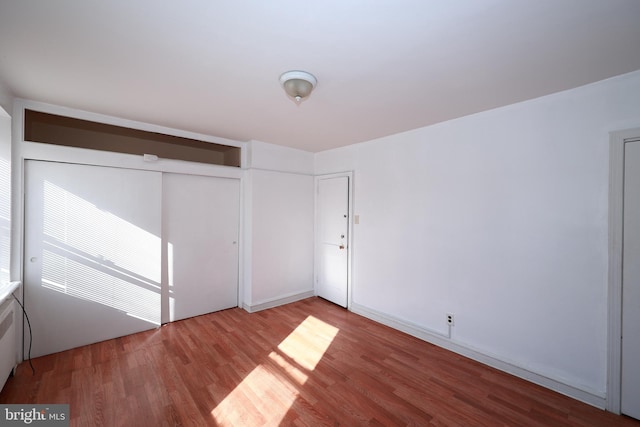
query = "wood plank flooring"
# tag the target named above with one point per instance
(308, 363)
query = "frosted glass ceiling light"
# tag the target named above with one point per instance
(298, 84)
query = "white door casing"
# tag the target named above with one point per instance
(333, 218)
(618, 141)
(630, 378)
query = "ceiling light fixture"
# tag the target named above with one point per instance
(298, 84)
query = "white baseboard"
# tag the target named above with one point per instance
(275, 302)
(590, 397)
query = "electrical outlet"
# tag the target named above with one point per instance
(450, 320)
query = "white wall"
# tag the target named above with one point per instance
(262, 155)
(6, 98)
(501, 219)
(279, 212)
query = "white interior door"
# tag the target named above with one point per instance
(92, 253)
(200, 220)
(333, 239)
(630, 391)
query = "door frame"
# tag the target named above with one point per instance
(350, 244)
(617, 140)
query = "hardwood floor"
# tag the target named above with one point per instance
(308, 363)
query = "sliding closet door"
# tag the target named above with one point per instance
(92, 253)
(200, 224)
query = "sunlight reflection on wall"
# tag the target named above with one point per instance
(172, 300)
(95, 255)
(5, 221)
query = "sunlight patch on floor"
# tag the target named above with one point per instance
(293, 372)
(267, 393)
(308, 342)
(260, 393)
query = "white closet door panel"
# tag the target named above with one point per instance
(201, 219)
(92, 253)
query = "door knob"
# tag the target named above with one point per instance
(341, 246)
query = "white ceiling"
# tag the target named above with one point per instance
(382, 66)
